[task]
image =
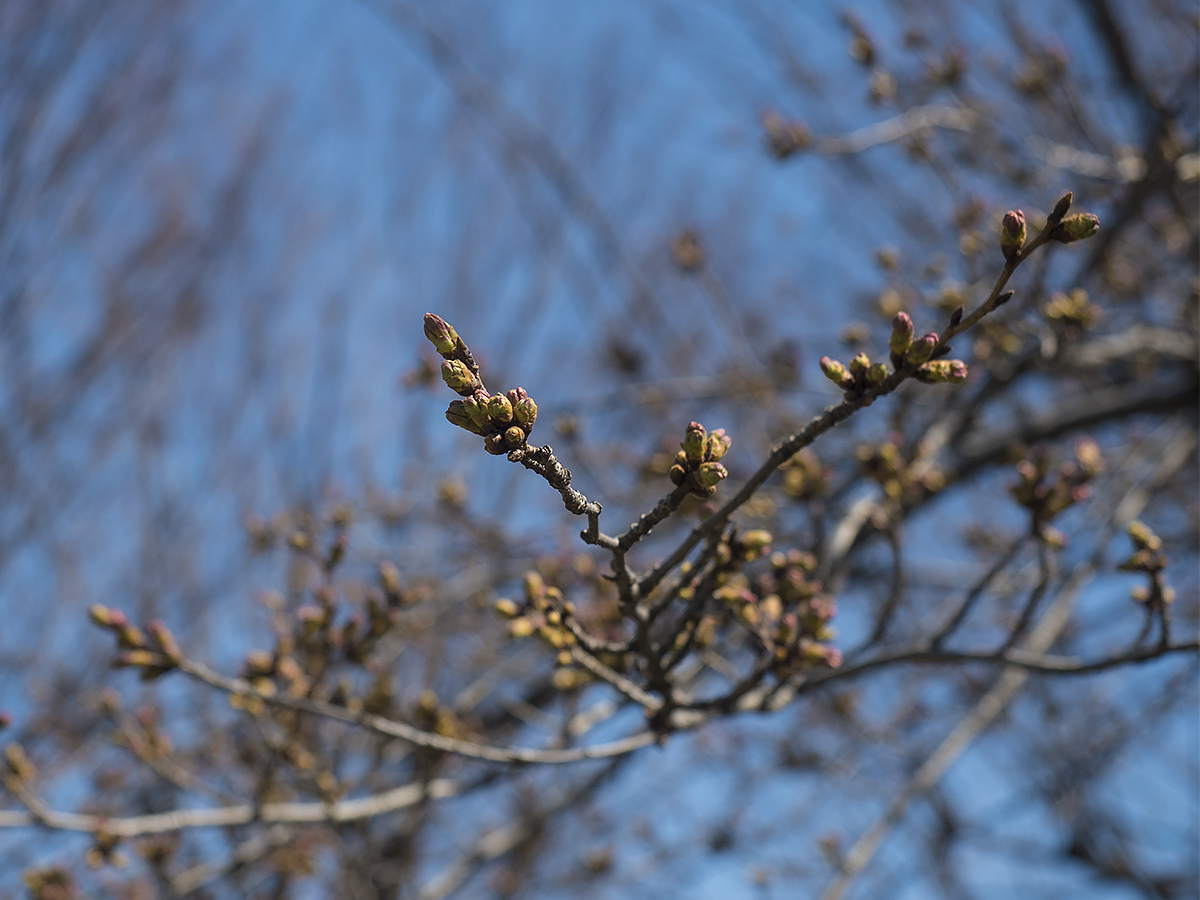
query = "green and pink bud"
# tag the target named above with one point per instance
(710, 474)
(1012, 234)
(859, 366)
(441, 334)
(456, 414)
(500, 411)
(694, 440)
(458, 377)
(717, 445)
(943, 371)
(877, 374)
(922, 349)
(836, 372)
(525, 412)
(902, 335)
(1076, 228)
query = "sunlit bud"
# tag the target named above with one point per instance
(520, 627)
(693, 441)
(458, 376)
(506, 607)
(441, 334)
(718, 445)
(1076, 228)
(1143, 537)
(456, 414)
(902, 334)
(877, 374)
(836, 372)
(709, 474)
(1012, 234)
(514, 436)
(859, 365)
(475, 406)
(100, 615)
(494, 444)
(922, 349)
(943, 371)
(500, 411)
(1087, 451)
(525, 412)
(677, 474)
(516, 395)
(757, 540)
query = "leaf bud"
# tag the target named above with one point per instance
(1012, 234)
(902, 334)
(494, 444)
(693, 441)
(1075, 228)
(709, 474)
(458, 376)
(441, 334)
(500, 411)
(677, 474)
(922, 349)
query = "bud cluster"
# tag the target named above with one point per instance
(1046, 491)
(543, 613)
(504, 421)
(154, 651)
(884, 464)
(786, 609)
(856, 377)
(698, 462)
(1148, 557)
(783, 137)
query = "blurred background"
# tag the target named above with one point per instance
(221, 223)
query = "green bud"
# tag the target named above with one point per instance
(677, 474)
(525, 412)
(456, 414)
(506, 607)
(943, 371)
(710, 474)
(902, 334)
(859, 365)
(922, 349)
(693, 441)
(717, 445)
(836, 372)
(500, 411)
(458, 376)
(100, 615)
(494, 444)
(1076, 228)
(514, 436)
(1012, 234)
(877, 374)
(757, 540)
(441, 334)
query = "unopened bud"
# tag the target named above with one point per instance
(836, 372)
(693, 441)
(525, 412)
(1076, 228)
(500, 411)
(1012, 234)
(718, 445)
(1061, 207)
(494, 444)
(757, 540)
(506, 607)
(441, 334)
(943, 371)
(475, 406)
(877, 374)
(902, 334)
(677, 474)
(516, 395)
(456, 414)
(100, 615)
(514, 437)
(922, 349)
(458, 376)
(859, 365)
(709, 474)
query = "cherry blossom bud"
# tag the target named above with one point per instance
(525, 412)
(693, 441)
(458, 376)
(836, 372)
(922, 349)
(500, 411)
(1012, 234)
(718, 445)
(1076, 228)
(514, 436)
(710, 474)
(902, 334)
(441, 334)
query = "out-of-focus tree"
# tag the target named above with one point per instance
(916, 620)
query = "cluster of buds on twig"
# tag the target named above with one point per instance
(543, 613)
(154, 651)
(785, 608)
(1064, 229)
(783, 137)
(1046, 492)
(504, 421)
(1148, 557)
(904, 350)
(887, 466)
(698, 462)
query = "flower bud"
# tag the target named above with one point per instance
(877, 374)
(500, 411)
(1012, 234)
(922, 349)
(757, 541)
(525, 412)
(516, 395)
(902, 334)
(514, 436)
(693, 441)
(836, 372)
(458, 376)
(456, 414)
(1076, 228)
(441, 334)
(475, 406)
(942, 371)
(677, 474)
(717, 445)
(859, 366)
(709, 474)
(494, 444)
(506, 607)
